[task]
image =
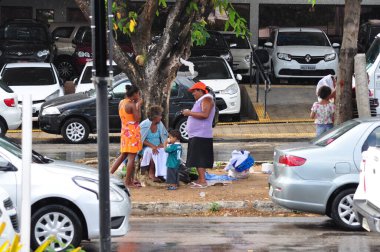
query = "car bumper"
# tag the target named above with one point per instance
(297, 194)
(368, 216)
(13, 118)
(233, 103)
(293, 69)
(50, 124)
(241, 67)
(36, 106)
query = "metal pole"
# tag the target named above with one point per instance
(265, 99)
(102, 123)
(250, 71)
(26, 164)
(110, 41)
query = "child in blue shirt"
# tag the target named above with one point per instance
(174, 149)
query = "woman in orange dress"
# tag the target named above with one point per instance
(130, 138)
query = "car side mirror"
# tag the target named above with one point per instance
(268, 44)
(233, 45)
(239, 77)
(335, 45)
(6, 166)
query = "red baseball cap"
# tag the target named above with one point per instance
(199, 85)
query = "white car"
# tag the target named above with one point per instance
(241, 51)
(64, 198)
(10, 113)
(85, 80)
(8, 215)
(216, 73)
(40, 80)
(366, 199)
(301, 53)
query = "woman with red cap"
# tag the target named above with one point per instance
(200, 153)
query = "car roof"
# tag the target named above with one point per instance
(28, 64)
(298, 29)
(375, 22)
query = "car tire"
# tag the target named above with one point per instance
(181, 127)
(65, 68)
(75, 130)
(57, 220)
(342, 212)
(3, 128)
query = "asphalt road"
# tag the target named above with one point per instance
(240, 234)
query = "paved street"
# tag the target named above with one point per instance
(240, 234)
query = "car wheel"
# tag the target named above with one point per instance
(65, 69)
(59, 221)
(75, 130)
(181, 127)
(3, 129)
(342, 212)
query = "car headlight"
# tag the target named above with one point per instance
(55, 94)
(82, 54)
(330, 57)
(50, 111)
(284, 56)
(247, 58)
(92, 185)
(232, 89)
(42, 53)
(227, 56)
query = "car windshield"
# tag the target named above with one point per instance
(330, 136)
(87, 75)
(211, 69)
(24, 33)
(302, 38)
(16, 150)
(216, 40)
(236, 42)
(28, 76)
(372, 53)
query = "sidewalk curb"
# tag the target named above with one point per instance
(156, 208)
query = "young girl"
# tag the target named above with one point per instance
(323, 111)
(130, 138)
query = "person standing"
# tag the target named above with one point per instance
(174, 149)
(330, 81)
(200, 153)
(323, 111)
(130, 138)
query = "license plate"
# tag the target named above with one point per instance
(365, 224)
(307, 67)
(271, 191)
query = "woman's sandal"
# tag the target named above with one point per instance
(137, 184)
(197, 186)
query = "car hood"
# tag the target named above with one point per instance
(67, 99)
(22, 46)
(219, 84)
(303, 50)
(39, 92)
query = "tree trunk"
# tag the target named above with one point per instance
(346, 61)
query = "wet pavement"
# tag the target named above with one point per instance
(240, 234)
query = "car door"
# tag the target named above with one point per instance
(8, 177)
(116, 94)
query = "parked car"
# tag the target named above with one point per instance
(41, 80)
(301, 53)
(216, 73)
(8, 215)
(64, 198)
(367, 33)
(63, 33)
(84, 83)
(74, 116)
(10, 113)
(366, 199)
(215, 45)
(322, 176)
(24, 40)
(241, 52)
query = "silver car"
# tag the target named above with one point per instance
(64, 198)
(322, 176)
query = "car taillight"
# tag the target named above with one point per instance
(290, 160)
(10, 102)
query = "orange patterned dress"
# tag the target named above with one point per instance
(130, 138)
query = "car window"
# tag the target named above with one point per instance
(212, 69)
(174, 90)
(302, 38)
(372, 140)
(63, 32)
(118, 91)
(25, 33)
(236, 42)
(16, 150)
(372, 53)
(28, 76)
(87, 75)
(330, 136)
(216, 40)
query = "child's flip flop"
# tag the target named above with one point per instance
(196, 186)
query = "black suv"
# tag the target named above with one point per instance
(216, 45)
(25, 40)
(367, 33)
